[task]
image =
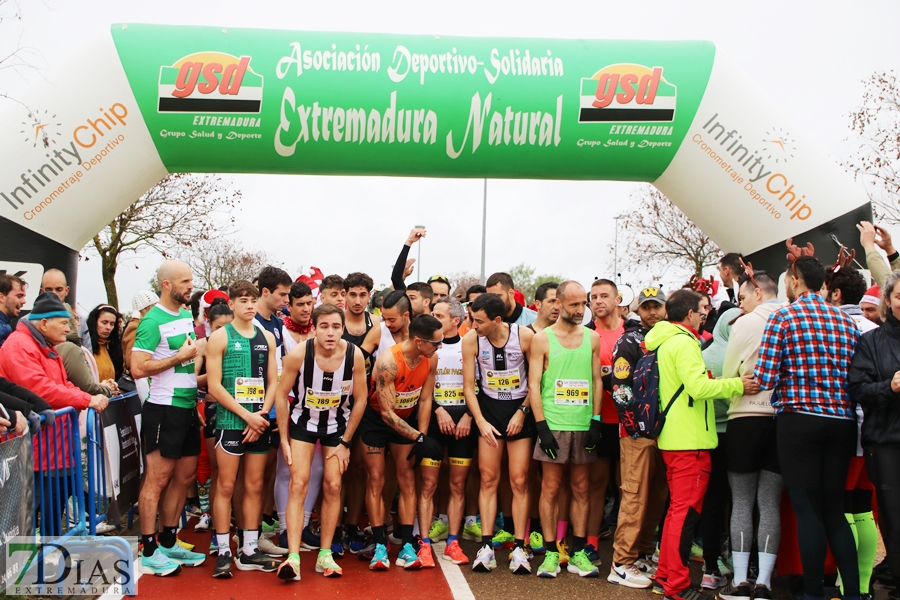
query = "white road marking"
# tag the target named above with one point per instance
(459, 587)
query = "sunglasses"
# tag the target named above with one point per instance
(435, 344)
(440, 278)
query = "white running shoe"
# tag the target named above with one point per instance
(518, 562)
(629, 576)
(203, 523)
(485, 562)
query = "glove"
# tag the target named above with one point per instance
(545, 437)
(593, 435)
(49, 416)
(426, 447)
(34, 422)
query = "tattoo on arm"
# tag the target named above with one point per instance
(387, 399)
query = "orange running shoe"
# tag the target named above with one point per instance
(425, 555)
(455, 554)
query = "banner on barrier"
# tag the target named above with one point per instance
(123, 453)
(16, 500)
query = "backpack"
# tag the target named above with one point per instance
(643, 415)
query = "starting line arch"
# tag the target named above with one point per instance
(146, 100)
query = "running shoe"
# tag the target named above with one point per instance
(761, 592)
(742, 591)
(256, 562)
(453, 553)
(289, 570)
(203, 523)
(655, 557)
(380, 559)
(158, 564)
(407, 558)
(192, 510)
(528, 551)
(592, 555)
(605, 532)
(696, 552)
(472, 533)
(439, 531)
(213, 547)
(689, 593)
(367, 551)
(181, 556)
(485, 561)
(518, 562)
(267, 546)
(426, 557)
(355, 541)
(646, 566)
(581, 565)
(550, 566)
(537, 542)
(725, 568)
(309, 539)
(503, 539)
(563, 549)
(325, 564)
(266, 528)
(183, 544)
(658, 588)
(393, 539)
(223, 566)
(628, 576)
(713, 581)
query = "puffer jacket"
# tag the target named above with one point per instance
(876, 360)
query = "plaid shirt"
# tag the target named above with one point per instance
(805, 356)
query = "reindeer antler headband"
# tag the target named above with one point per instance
(795, 252)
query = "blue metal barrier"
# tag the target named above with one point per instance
(58, 487)
(98, 501)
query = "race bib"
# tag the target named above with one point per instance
(408, 399)
(572, 392)
(321, 400)
(249, 390)
(503, 380)
(449, 394)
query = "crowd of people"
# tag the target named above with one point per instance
(671, 424)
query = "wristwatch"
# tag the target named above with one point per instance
(344, 442)
(524, 409)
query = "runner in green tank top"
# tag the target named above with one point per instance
(240, 360)
(564, 372)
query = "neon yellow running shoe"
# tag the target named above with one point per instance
(472, 533)
(439, 531)
(536, 540)
(550, 566)
(325, 564)
(503, 539)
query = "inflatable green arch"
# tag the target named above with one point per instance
(147, 100)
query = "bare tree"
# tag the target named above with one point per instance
(461, 281)
(12, 56)
(222, 261)
(655, 234)
(877, 159)
(178, 212)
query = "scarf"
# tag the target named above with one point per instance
(297, 328)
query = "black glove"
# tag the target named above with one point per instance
(34, 422)
(49, 416)
(545, 437)
(593, 435)
(426, 447)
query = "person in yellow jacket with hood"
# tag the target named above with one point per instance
(689, 432)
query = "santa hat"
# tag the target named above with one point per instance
(519, 297)
(206, 299)
(872, 296)
(312, 278)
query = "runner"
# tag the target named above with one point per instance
(451, 426)
(547, 305)
(608, 324)
(321, 415)
(360, 322)
(274, 286)
(565, 374)
(440, 285)
(397, 417)
(395, 316)
(730, 269)
(502, 285)
(241, 369)
(332, 291)
(420, 298)
(495, 355)
(164, 350)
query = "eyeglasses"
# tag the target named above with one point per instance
(440, 278)
(436, 344)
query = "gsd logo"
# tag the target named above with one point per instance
(627, 93)
(210, 82)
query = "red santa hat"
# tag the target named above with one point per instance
(312, 278)
(872, 296)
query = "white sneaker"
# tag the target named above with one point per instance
(713, 581)
(485, 562)
(518, 562)
(629, 576)
(267, 546)
(203, 522)
(104, 527)
(646, 566)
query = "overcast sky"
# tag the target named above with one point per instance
(810, 60)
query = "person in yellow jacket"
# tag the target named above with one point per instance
(688, 434)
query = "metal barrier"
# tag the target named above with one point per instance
(97, 479)
(58, 487)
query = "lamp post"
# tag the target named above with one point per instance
(483, 230)
(616, 250)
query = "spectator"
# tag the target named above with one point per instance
(106, 341)
(12, 299)
(24, 407)
(141, 304)
(872, 237)
(54, 281)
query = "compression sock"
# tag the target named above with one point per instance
(866, 546)
(593, 541)
(766, 568)
(562, 528)
(203, 490)
(222, 543)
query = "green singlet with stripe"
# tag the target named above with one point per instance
(567, 389)
(244, 368)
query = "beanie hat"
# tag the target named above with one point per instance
(143, 299)
(48, 306)
(872, 296)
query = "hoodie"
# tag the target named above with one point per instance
(740, 359)
(714, 357)
(690, 423)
